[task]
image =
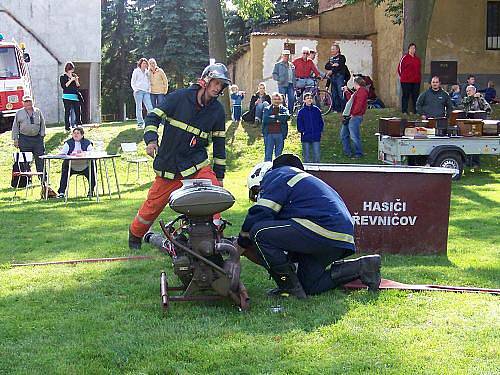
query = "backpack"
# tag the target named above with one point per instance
(20, 166)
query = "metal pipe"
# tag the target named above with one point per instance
(90, 260)
(187, 249)
(164, 290)
(195, 298)
(199, 257)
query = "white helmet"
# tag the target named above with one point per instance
(255, 177)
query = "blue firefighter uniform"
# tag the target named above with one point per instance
(299, 218)
(186, 134)
(182, 152)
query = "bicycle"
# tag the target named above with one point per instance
(322, 98)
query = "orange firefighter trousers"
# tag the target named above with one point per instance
(158, 197)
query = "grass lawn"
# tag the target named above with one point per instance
(106, 318)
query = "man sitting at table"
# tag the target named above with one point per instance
(77, 145)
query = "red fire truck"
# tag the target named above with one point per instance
(15, 80)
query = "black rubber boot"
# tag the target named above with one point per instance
(134, 243)
(366, 268)
(287, 281)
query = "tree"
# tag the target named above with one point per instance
(175, 33)
(416, 16)
(118, 42)
(217, 46)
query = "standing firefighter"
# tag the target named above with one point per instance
(297, 218)
(191, 116)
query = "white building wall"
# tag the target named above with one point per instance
(358, 54)
(272, 54)
(71, 31)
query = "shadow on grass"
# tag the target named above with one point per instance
(253, 131)
(464, 192)
(129, 135)
(230, 132)
(480, 178)
(55, 141)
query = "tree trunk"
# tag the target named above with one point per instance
(217, 41)
(417, 15)
(179, 80)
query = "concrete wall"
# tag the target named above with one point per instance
(463, 40)
(348, 21)
(241, 74)
(257, 64)
(71, 31)
(353, 21)
(309, 26)
(325, 5)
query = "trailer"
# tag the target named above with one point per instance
(446, 152)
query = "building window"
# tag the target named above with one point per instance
(493, 25)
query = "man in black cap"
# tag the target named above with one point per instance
(298, 218)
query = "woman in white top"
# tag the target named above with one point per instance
(141, 86)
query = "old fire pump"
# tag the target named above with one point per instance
(207, 264)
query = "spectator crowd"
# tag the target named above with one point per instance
(297, 79)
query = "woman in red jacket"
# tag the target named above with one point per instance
(410, 77)
(353, 117)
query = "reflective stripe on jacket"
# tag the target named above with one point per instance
(291, 194)
(186, 134)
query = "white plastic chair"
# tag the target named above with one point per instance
(129, 150)
(25, 157)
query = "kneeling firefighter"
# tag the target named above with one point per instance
(298, 218)
(191, 115)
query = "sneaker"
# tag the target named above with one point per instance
(60, 195)
(140, 126)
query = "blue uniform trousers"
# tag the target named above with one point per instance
(236, 112)
(279, 242)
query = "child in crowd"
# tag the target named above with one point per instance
(310, 126)
(77, 145)
(353, 117)
(236, 99)
(456, 97)
(274, 127)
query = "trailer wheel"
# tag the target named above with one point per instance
(452, 160)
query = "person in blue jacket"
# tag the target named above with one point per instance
(298, 218)
(274, 127)
(310, 126)
(236, 101)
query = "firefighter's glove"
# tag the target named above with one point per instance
(152, 149)
(244, 240)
